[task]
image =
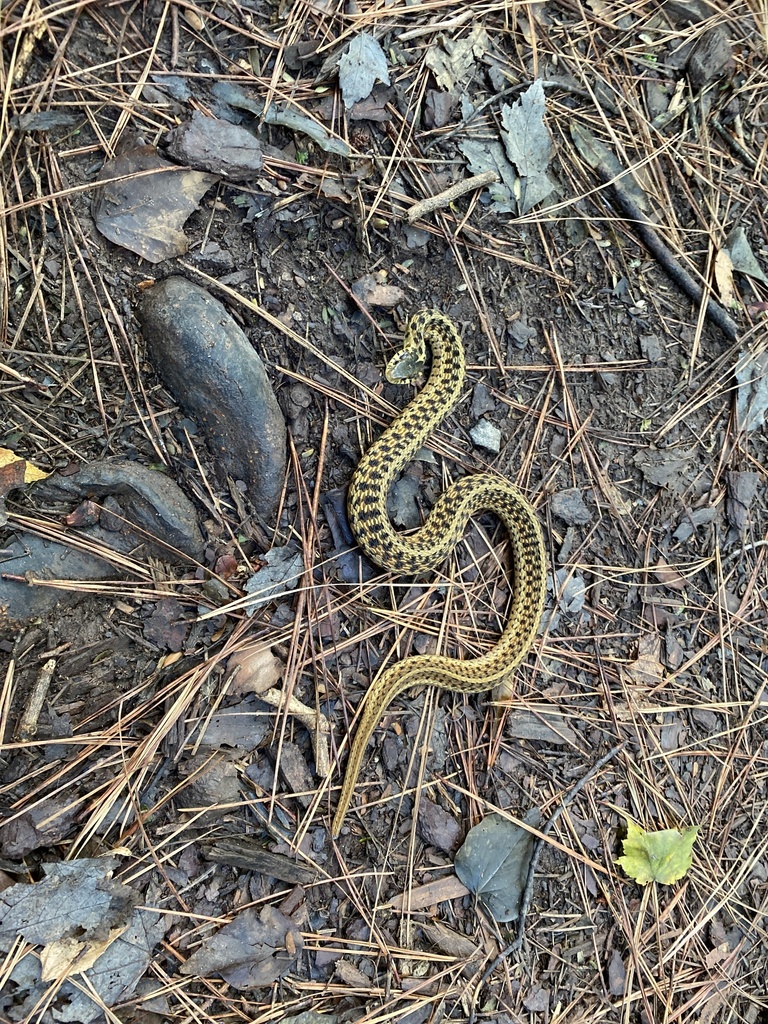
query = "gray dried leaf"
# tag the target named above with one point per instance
(215, 781)
(711, 57)
(617, 974)
(451, 942)
(742, 257)
(751, 375)
(287, 117)
(741, 490)
(312, 1017)
(528, 145)
(493, 863)
(147, 208)
(247, 853)
(296, 772)
(373, 290)
(361, 67)
(44, 824)
(664, 467)
(251, 952)
(489, 156)
(452, 63)
(295, 121)
(244, 726)
(546, 728)
(698, 517)
(282, 573)
(79, 915)
(75, 897)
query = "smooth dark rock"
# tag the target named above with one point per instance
(213, 372)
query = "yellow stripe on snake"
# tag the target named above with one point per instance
(431, 545)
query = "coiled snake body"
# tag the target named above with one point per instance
(429, 546)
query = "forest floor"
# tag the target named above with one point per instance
(624, 150)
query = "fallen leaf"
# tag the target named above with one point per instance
(493, 863)
(647, 670)
(741, 489)
(549, 727)
(617, 974)
(249, 953)
(664, 856)
(166, 627)
(147, 208)
(70, 956)
(669, 576)
(453, 62)
(528, 145)
(742, 258)
(361, 67)
(14, 473)
(751, 373)
(484, 155)
(373, 290)
(256, 670)
(284, 567)
(665, 467)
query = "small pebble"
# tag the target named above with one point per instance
(486, 435)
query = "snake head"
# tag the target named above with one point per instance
(405, 367)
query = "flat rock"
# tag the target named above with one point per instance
(142, 510)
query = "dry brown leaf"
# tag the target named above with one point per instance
(724, 278)
(254, 671)
(68, 956)
(448, 888)
(647, 670)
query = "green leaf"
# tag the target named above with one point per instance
(657, 856)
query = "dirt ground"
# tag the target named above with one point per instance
(631, 420)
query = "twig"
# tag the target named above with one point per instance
(656, 247)
(734, 145)
(316, 724)
(446, 197)
(27, 726)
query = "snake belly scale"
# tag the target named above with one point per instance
(432, 543)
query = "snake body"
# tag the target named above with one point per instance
(430, 545)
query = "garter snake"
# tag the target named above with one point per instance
(433, 542)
